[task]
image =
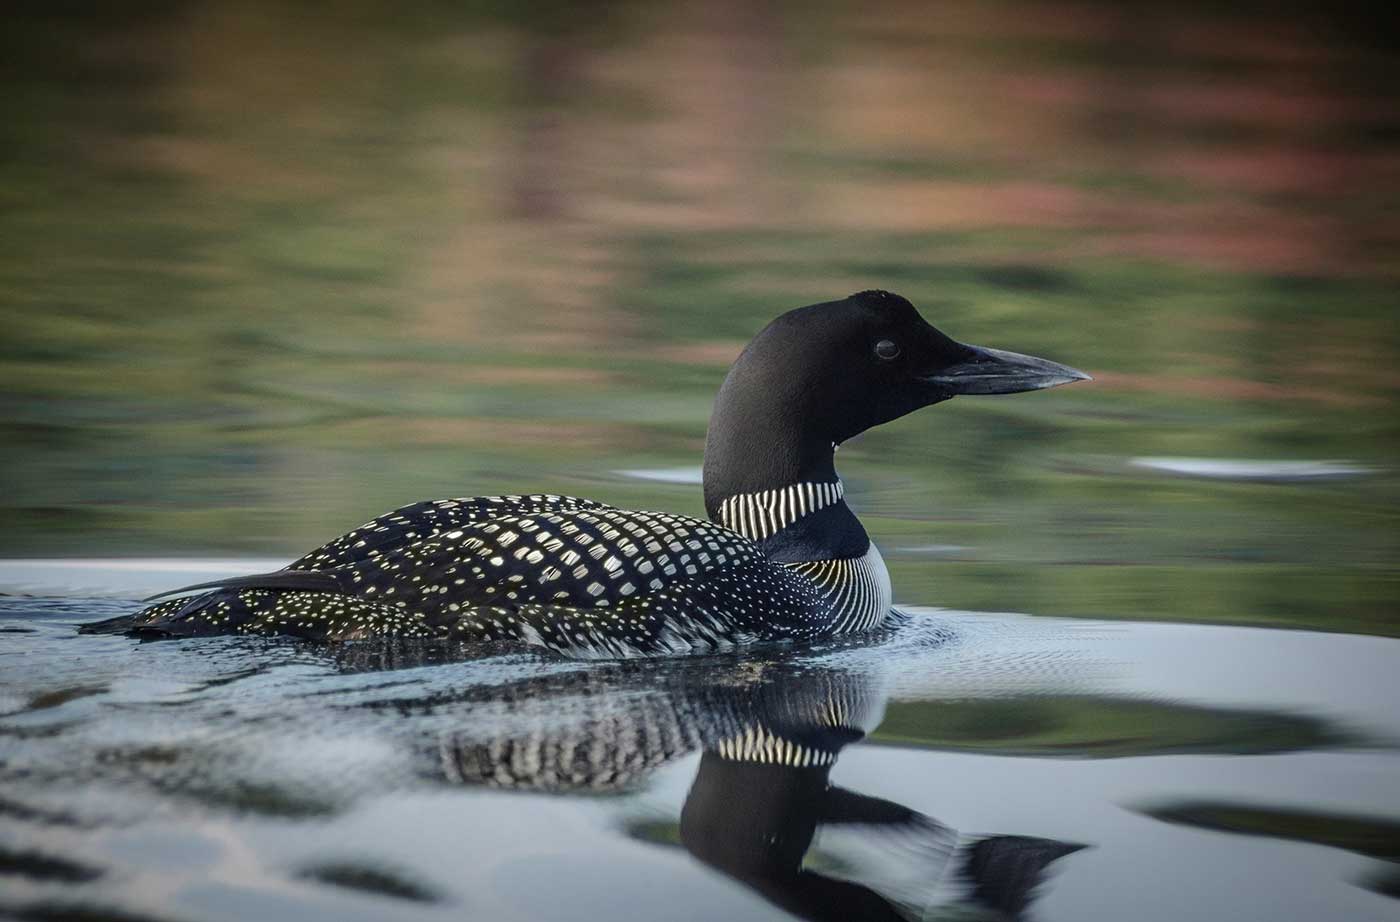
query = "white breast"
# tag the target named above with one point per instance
(857, 588)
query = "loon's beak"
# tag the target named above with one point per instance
(995, 371)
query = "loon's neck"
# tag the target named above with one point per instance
(794, 509)
(798, 522)
(770, 471)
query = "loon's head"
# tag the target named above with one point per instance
(819, 375)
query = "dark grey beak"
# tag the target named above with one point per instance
(995, 371)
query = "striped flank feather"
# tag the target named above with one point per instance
(857, 589)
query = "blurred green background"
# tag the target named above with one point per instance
(271, 268)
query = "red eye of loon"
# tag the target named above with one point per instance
(887, 349)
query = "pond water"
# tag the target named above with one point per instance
(963, 765)
(267, 274)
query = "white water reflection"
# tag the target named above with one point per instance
(1260, 470)
(691, 476)
(121, 578)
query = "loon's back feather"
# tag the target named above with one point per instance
(385, 534)
(426, 519)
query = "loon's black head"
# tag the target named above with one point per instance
(819, 375)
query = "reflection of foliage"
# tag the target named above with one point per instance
(41, 867)
(69, 911)
(187, 771)
(1364, 835)
(250, 306)
(1352, 599)
(655, 831)
(1370, 836)
(1386, 882)
(1097, 727)
(368, 878)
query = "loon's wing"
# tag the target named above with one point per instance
(387, 534)
(596, 558)
(419, 521)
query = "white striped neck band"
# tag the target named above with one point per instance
(759, 515)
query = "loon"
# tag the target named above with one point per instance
(781, 556)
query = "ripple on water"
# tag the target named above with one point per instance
(356, 772)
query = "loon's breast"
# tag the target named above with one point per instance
(855, 588)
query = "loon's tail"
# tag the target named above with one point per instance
(118, 625)
(309, 580)
(289, 612)
(300, 603)
(175, 618)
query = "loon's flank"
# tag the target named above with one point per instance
(782, 556)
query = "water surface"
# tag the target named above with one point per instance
(965, 764)
(268, 274)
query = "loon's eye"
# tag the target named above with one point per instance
(887, 349)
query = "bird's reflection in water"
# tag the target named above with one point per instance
(762, 808)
